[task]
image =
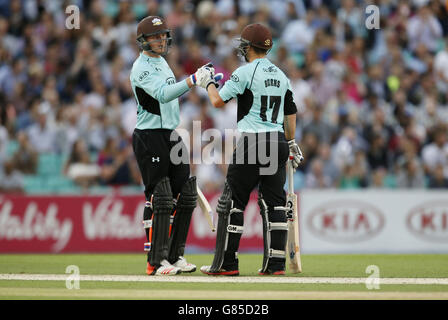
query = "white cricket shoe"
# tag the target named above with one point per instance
(184, 265)
(167, 269)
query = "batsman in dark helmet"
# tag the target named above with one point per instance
(153, 27)
(169, 190)
(256, 36)
(266, 118)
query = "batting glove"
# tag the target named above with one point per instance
(215, 80)
(295, 154)
(205, 76)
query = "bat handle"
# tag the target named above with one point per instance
(290, 177)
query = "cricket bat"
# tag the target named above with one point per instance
(293, 245)
(206, 209)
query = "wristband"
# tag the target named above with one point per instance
(193, 78)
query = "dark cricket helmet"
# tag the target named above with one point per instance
(151, 26)
(255, 35)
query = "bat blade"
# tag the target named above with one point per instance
(293, 244)
(206, 209)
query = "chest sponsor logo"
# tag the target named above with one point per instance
(143, 75)
(345, 221)
(429, 221)
(270, 69)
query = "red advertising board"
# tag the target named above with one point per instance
(110, 223)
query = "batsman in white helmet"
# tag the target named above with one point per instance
(169, 190)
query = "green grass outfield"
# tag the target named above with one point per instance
(328, 266)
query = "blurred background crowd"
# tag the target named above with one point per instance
(372, 104)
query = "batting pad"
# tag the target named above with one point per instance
(163, 206)
(181, 222)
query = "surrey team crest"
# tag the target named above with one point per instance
(156, 22)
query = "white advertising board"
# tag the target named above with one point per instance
(373, 221)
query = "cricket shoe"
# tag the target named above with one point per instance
(184, 265)
(165, 269)
(221, 272)
(271, 273)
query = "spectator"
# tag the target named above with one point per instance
(354, 175)
(430, 114)
(96, 131)
(376, 86)
(344, 149)
(352, 16)
(117, 165)
(378, 178)
(25, 158)
(316, 178)
(298, 34)
(441, 69)
(377, 155)
(79, 166)
(440, 11)
(438, 179)
(377, 126)
(11, 180)
(329, 167)
(349, 179)
(301, 89)
(410, 174)
(42, 134)
(319, 127)
(424, 28)
(435, 154)
(310, 148)
(12, 76)
(105, 34)
(322, 85)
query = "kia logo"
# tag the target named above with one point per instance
(429, 221)
(345, 221)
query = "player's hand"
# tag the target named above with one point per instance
(205, 76)
(215, 80)
(295, 154)
(215, 77)
(201, 75)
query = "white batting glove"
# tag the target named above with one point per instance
(215, 80)
(205, 76)
(202, 74)
(295, 154)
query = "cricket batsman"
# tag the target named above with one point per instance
(266, 115)
(169, 190)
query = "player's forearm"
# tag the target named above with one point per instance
(173, 91)
(189, 82)
(290, 126)
(214, 97)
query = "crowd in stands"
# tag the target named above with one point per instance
(372, 103)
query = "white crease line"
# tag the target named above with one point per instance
(209, 279)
